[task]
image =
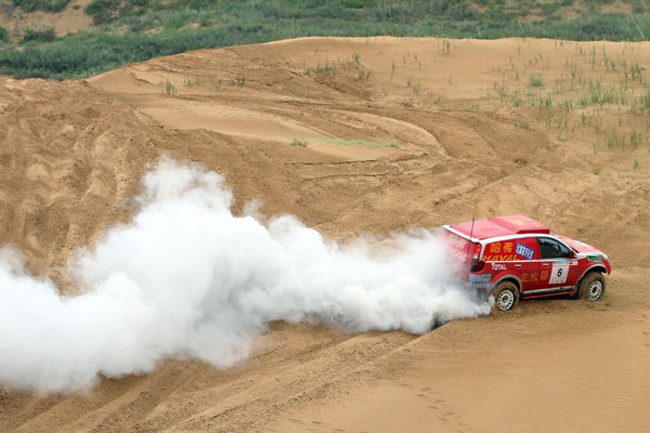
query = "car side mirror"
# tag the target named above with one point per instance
(572, 254)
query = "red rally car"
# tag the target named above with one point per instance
(514, 256)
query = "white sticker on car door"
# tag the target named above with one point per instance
(559, 273)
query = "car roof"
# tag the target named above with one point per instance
(501, 226)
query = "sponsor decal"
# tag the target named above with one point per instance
(574, 262)
(545, 275)
(593, 258)
(532, 277)
(524, 251)
(495, 248)
(499, 252)
(499, 257)
(499, 267)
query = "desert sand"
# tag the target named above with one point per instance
(450, 131)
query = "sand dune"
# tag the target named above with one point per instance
(400, 134)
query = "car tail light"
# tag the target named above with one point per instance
(476, 265)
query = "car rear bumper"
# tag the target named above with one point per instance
(480, 282)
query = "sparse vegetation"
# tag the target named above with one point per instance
(602, 97)
(599, 95)
(365, 74)
(415, 87)
(299, 142)
(124, 33)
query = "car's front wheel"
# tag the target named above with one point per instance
(591, 287)
(506, 296)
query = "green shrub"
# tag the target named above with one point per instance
(59, 5)
(45, 35)
(103, 11)
(42, 5)
(550, 9)
(536, 81)
(638, 7)
(4, 35)
(139, 3)
(358, 4)
(106, 11)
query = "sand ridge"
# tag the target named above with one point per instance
(400, 133)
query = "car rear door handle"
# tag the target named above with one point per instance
(517, 266)
(545, 264)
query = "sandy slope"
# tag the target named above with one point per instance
(72, 154)
(70, 20)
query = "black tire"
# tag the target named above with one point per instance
(591, 287)
(506, 297)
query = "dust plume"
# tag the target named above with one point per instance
(185, 278)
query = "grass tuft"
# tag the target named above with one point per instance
(366, 143)
(299, 142)
(169, 88)
(536, 81)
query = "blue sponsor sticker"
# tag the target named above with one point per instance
(524, 251)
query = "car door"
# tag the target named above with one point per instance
(556, 264)
(526, 263)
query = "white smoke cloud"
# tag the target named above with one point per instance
(188, 279)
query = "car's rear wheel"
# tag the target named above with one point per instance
(591, 287)
(506, 296)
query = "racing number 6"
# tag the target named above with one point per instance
(559, 274)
